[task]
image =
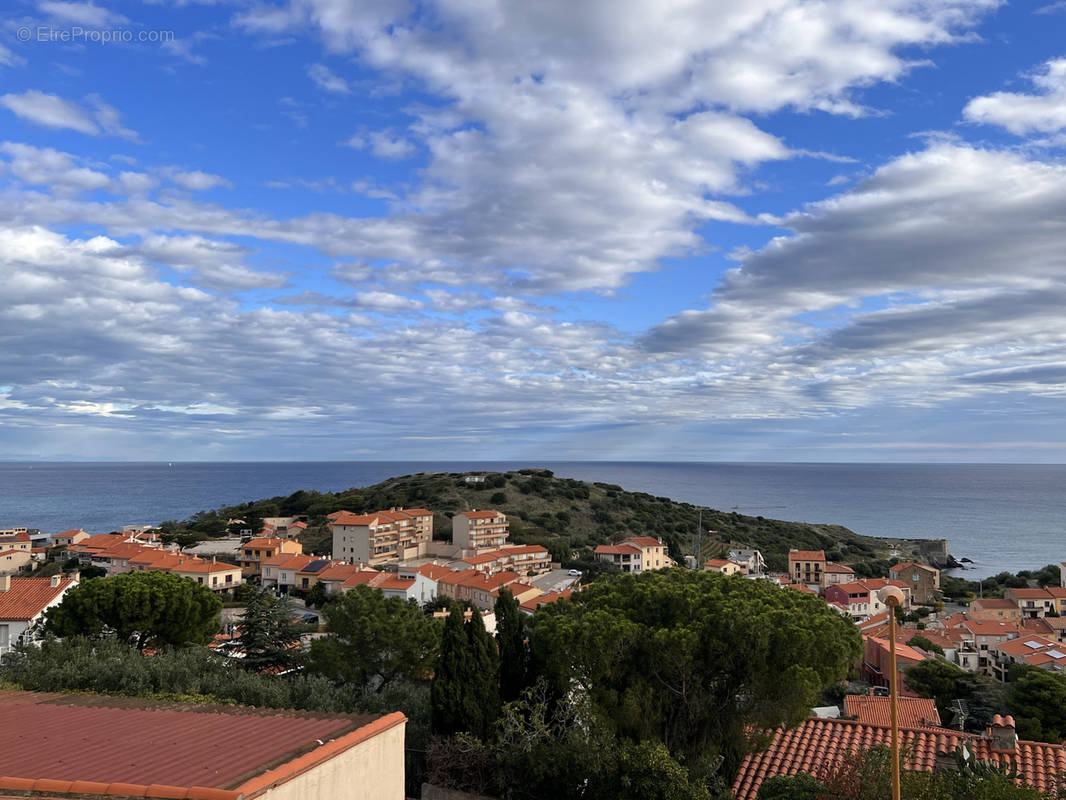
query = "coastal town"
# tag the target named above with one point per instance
(394, 552)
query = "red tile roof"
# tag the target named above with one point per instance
(524, 549)
(28, 597)
(818, 742)
(993, 602)
(1030, 594)
(644, 541)
(360, 578)
(181, 750)
(1027, 645)
(534, 603)
(806, 555)
(841, 569)
(910, 565)
(914, 712)
(719, 562)
(395, 583)
(21, 536)
(262, 543)
(434, 571)
(617, 549)
(989, 627)
(479, 514)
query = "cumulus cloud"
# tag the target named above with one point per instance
(196, 180)
(87, 14)
(1020, 113)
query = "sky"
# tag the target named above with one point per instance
(776, 230)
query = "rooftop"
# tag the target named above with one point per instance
(914, 712)
(28, 597)
(806, 555)
(52, 743)
(822, 741)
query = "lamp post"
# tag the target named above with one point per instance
(892, 597)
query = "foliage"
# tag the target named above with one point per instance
(944, 682)
(512, 637)
(564, 754)
(376, 640)
(1037, 698)
(930, 647)
(698, 661)
(465, 695)
(792, 787)
(268, 635)
(317, 597)
(141, 608)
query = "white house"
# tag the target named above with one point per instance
(23, 602)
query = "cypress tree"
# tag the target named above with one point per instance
(484, 688)
(511, 637)
(447, 692)
(267, 633)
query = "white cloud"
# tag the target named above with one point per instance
(386, 302)
(9, 59)
(197, 181)
(1023, 114)
(325, 79)
(52, 111)
(47, 167)
(87, 14)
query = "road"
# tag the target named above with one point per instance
(555, 581)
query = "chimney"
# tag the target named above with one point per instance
(1003, 735)
(213, 559)
(55, 581)
(5, 583)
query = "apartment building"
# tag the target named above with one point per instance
(523, 559)
(751, 560)
(923, 580)
(837, 573)
(995, 609)
(806, 566)
(636, 554)
(862, 598)
(255, 551)
(479, 531)
(382, 537)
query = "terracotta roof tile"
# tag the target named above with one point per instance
(479, 514)
(28, 597)
(617, 549)
(262, 543)
(644, 541)
(179, 746)
(840, 569)
(822, 741)
(914, 712)
(806, 555)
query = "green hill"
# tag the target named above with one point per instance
(570, 517)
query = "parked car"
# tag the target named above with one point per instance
(575, 573)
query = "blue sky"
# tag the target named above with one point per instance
(322, 229)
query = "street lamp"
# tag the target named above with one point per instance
(892, 597)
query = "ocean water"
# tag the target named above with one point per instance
(1000, 516)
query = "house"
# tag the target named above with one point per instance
(980, 636)
(724, 566)
(524, 559)
(67, 538)
(23, 602)
(530, 606)
(334, 578)
(408, 584)
(636, 554)
(1049, 627)
(1032, 603)
(806, 566)
(995, 609)
(217, 576)
(13, 561)
(381, 537)
(1037, 651)
(751, 560)
(862, 598)
(479, 531)
(474, 587)
(17, 546)
(194, 751)
(257, 550)
(837, 573)
(875, 667)
(923, 580)
(817, 742)
(307, 575)
(279, 571)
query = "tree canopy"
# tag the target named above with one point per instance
(698, 661)
(465, 694)
(376, 640)
(1037, 698)
(140, 607)
(268, 635)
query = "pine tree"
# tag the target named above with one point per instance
(267, 633)
(511, 637)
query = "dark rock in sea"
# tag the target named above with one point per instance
(965, 561)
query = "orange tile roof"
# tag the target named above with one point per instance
(524, 549)
(719, 562)
(298, 525)
(434, 571)
(536, 602)
(479, 514)
(202, 565)
(262, 543)
(817, 742)
(902, 650)
(341, 571)
(28, 597)
(645, 541)
(842, 569)
(1031, 594)
(394, 582)
(361, 578)
(21, 536)
(485, 558)
(419, 512)
(183, 750)
(122, 550)
(98, 541)
(914, 712)
(910, 565)
(806, 555)
(1027, 645)
(988, 627)
(617, 549)
(994, 602)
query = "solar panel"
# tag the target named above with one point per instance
(315, 566)
(1034, 645)
(1056, 654)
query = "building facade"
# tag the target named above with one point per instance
(382, 537)
(479, 531)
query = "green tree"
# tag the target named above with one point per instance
(925, 644)
(1037, 698)
(317, 597)
(698, 661)
(800, 786)
(512, 637)
(375, 640)
(465, 694)
(268, 635)
(936, 679)
(141, 608)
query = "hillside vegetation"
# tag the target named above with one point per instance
(570, 517)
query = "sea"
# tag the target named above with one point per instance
(1001, 517)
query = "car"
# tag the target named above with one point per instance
(309, 618)
(574, 573)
